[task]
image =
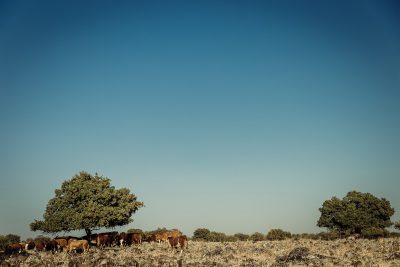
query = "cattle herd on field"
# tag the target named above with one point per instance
(110, 239)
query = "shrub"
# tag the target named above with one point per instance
(241, 237)
(257, 237)
(136, 231)
(217, 237)
(331, 235)
(374, 232)
(8, 239)
(278, 234)
(201, 234)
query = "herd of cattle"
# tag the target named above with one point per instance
(74, 244)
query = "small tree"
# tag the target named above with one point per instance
(87, 202)
(356, 213)
(278, 234)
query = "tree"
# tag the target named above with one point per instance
(397, 225)
(87, 202)
(356, 213)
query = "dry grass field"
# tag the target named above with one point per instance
(302, 252)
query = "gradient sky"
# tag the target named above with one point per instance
(237, 116)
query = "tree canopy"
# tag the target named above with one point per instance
(87, 202)
(356, 213)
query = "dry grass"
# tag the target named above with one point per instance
(303, 252)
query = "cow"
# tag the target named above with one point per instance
(180, 241)
(149, 238)
(127, 239)
(72, 239)
(52, 246)
(106, 239)
(122, 239)
(39, 245)
(134, 238)
(13, 248)
(62, 243)
(78, 244)
(173, 233)
(92, 239)
(161, 237)
(29, 244)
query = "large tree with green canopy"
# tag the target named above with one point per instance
(87, 202)
(356, 213)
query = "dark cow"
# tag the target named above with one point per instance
(52, 246)
(13, 249)
(122, 239)
(180, 241)
(149, 238)
(29, 245)
(106, 239)
(127, 239)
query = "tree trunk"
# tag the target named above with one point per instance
(88, 232)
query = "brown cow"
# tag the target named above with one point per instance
(173, 233)
(62, 243)
(127, 239)
(161, 237)
(180, 241)
(39, 245)
(107, 239)
(78, 244)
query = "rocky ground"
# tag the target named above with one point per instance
(303, 252)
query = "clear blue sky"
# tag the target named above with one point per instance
(237, 116)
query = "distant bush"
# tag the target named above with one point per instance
(330, 235)
(397, 225)
(393, 234)
(8, 239)
(201, 234)
(230, 238)
(241, 237)
(136, 231)
(257, 237)
(374, 232)
(278, 234)
(217, 237)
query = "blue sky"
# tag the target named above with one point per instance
(237, 116)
